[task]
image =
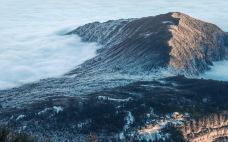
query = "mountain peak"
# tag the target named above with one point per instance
(195, 44)
(173, 40)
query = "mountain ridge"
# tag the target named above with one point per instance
(174, 40)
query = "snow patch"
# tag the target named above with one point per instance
(43, 111)
(113, 99)
(58, 109)
(121, 136)
(20, 117)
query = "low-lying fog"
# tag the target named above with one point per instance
(219, 71)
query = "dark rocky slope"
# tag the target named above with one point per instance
(111, 98)
(171, 109)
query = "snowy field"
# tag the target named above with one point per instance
(32, 42)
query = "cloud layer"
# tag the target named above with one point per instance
(42, 57)
(219, 71)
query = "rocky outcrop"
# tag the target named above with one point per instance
(173, 40)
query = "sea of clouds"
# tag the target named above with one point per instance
(33, 45)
